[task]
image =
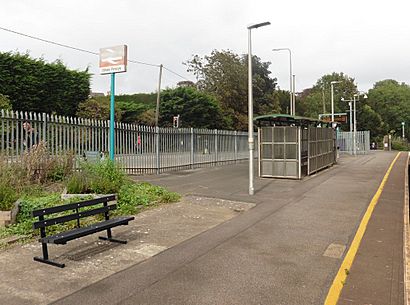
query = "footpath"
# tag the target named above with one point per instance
(377, 273)
(287, 250)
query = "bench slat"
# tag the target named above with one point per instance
(64, 237)
(71, 206)
(74, 216)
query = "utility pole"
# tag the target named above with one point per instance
(158, 95)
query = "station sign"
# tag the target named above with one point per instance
(338, 117)
(113, 59)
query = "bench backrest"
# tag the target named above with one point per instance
(76, 213)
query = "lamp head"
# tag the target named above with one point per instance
(365, 96)
(342, 99)
(258, 25)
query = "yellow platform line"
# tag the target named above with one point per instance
(337, 285)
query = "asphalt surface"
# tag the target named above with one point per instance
(376, 276)
(271, 254)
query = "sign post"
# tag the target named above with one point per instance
(113, 60)
(112, 117)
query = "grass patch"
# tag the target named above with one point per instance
(133, 195)
(37, 180)
(103, 177)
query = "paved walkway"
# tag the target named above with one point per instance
(376, 276)
(286, 250)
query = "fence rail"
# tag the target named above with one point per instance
(138, 149)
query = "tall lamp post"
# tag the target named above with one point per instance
(333, 104)
(350, 119)
(250, 104)
(291, 92)
(354, 118)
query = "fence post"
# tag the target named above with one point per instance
(157, 148)
(216, 145)
(236, 145)
(192, 148)
(44, 127)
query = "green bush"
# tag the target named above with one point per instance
(24, 225)
(399, 144)
(102, 177)
(7, 197)
(107, 178)
(133, 195)
(77, 184)
(30, 203)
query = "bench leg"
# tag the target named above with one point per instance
(45, 259)
(109, 238)
(113, 240)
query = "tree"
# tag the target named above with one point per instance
(391, 100)
(317, 100)
(5, 102)
(282, 103)
(98, 109)
(369, 119)
(224, 74)
(147, 118)
(196, 109)
(34, 85)
(133, 106)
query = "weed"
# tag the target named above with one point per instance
(103, 177)
(7, 197)
(132, 195)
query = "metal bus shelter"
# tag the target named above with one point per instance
(294, 147)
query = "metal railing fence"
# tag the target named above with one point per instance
(138, 149)
(345, 142)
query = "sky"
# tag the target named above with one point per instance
(367, 40)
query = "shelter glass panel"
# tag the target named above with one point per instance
(278, 151)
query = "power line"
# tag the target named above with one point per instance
(169, 70)
(48, 41)
(69, 47)
(84, 50)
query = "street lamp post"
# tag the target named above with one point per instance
(291, 92)
(354, 118)
(250, 104)
(354, 124)
(350, 119)
(333, 104)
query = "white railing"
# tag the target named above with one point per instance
(345, 142)
(138, 149)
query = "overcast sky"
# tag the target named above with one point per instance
(368, 40)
